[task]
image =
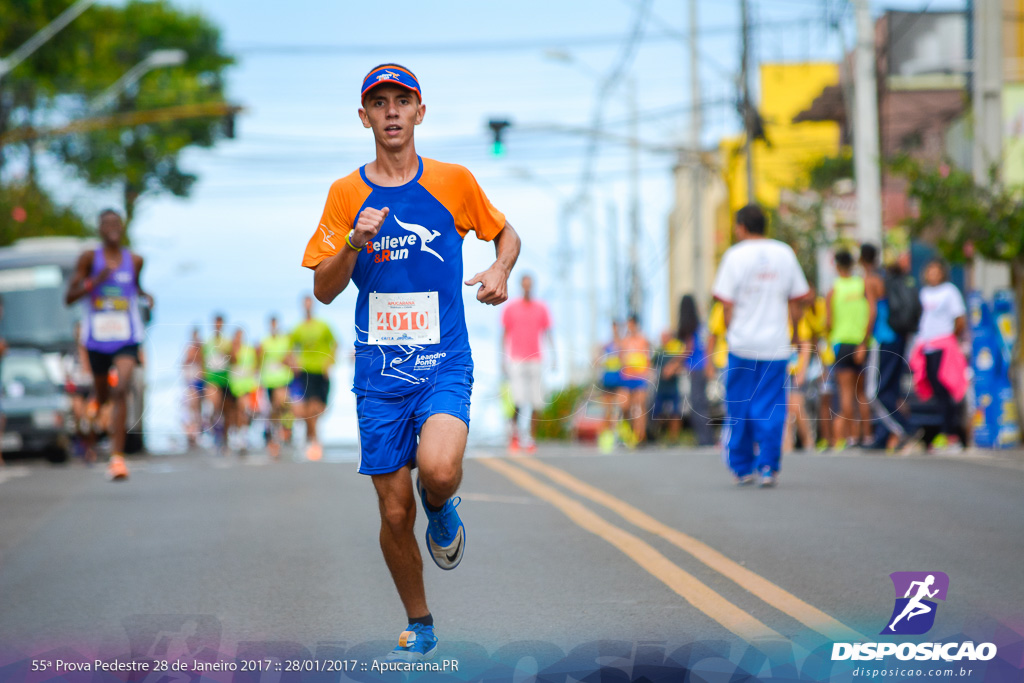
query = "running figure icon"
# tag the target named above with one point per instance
(916, 607)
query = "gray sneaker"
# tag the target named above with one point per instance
(768, 480)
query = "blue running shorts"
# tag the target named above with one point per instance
(389, 426)
(634, 383)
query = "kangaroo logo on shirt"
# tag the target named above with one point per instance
(426, 236)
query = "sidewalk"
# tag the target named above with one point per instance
(1009, 457)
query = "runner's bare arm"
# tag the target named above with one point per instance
(332, 275)
(80, 284)
(796, 312)
(709, 356)
(139, 262)
(828, 314)
(495, 278)
(873, 292)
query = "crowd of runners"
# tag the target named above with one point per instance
(282, 377)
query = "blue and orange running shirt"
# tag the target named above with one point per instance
(410, 322)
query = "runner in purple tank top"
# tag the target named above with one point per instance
(109, 278)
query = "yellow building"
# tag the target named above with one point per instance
(782, 162)
(1013, 41)
(1013, 91)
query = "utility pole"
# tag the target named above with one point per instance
(987, 82)
(565, 282)
(635, 287)
(745, 106)
(865, 130)
(615, 309)
(696, 175)
(591, 256)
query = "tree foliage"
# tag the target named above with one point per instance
(26, 210)
(57, 83)
(828, 170)
(800, 220)
(962, 217)
(144, 159)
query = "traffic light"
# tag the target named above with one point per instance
(498, 127)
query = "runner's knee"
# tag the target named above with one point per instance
(442, 478)
(398, 515)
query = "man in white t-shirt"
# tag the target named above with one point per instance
(761, 287)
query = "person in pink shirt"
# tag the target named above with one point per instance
(525, 321)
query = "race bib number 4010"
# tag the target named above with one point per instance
(409, 318)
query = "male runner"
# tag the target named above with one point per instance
(109, 276)
(274, 353)
(217, 361)
(315, 346)
(242, 385)
(887, 355)
(192, 372)
(395, 228)
(524, 322)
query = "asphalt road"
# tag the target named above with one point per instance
(652, 548)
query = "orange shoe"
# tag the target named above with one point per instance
(314, 452)
(513, 445)
(117, 470)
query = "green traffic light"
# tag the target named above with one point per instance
(497, 128)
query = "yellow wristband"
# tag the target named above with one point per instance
(349, 243)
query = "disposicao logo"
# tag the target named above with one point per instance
(914, 611)
(913, 614)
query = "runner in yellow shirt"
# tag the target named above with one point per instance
(717, 347)
(314, 345)
(274, 360)
(816, 317)
(635, 352)
(242, 384)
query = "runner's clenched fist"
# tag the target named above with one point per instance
(367, 226)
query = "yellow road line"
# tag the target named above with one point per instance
(777, 597)
(678, 580)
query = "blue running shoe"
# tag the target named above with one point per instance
(416, 644)
(446, 534)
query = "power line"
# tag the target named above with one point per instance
(597, 40)
(667, 28)
(607, 85)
